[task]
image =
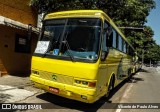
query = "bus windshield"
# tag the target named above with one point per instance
(74, 38)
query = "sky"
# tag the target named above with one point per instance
(154, 21)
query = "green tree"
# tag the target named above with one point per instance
(132, 13)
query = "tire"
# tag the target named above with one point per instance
(110, 87)
(129, 75)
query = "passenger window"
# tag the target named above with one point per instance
(105, 37)
(106, 25)
(120, 44)
(108, 35)
(114, 43)
(128, 49)
(110, 38)
(124, 47)
(117, 41)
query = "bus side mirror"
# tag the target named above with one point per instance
(104, 55)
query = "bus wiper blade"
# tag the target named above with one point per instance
(69, 53)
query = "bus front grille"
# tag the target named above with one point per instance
(56, 77)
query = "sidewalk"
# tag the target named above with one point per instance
(15, 81)
(152, 69)
(15, 89)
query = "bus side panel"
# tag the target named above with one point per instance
(116, 63)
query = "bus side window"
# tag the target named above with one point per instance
(104, 42)
(120, 43)
(108, 34)
(128, 49)
(114, 43)
(106, 25)
(110, 38)
(117, 40)
(124, 47)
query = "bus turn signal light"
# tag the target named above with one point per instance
(92, 84)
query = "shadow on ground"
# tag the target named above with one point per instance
(143, 70)
(58, 102)
(135, 79)
(4, 97)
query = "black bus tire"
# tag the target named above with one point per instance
(110, 87)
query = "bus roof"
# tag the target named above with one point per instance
(85, 13)
(74, 13)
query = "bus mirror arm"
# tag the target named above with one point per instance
(104, 55)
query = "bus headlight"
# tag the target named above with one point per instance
(77, 81)
(35, 72)
(85, 83)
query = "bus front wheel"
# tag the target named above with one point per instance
(110, 87)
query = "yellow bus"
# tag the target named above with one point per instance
(81, 55)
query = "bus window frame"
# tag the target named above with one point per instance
(67, 58)
(128, 49)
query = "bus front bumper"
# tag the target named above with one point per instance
(86, 95)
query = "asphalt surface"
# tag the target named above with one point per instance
(143, 91)
(143, 88)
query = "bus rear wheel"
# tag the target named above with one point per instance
(129, 75)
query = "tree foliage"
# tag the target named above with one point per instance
(126, 13)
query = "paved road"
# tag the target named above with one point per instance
(143, 88)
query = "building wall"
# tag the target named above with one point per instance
(18, 10)
(15, 62)
(12, 61)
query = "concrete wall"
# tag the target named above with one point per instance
(18, 10)
(15, 62)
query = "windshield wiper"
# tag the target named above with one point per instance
(65, 42)
(68, 48)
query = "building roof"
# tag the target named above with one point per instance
(15, 24)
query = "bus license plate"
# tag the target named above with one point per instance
(55, 90)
